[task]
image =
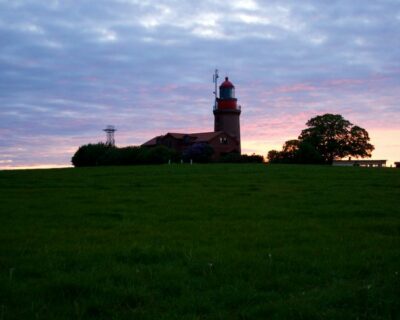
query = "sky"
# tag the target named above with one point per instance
(70, 68)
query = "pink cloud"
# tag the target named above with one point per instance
(297, 87)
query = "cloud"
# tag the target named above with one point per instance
(69, 69)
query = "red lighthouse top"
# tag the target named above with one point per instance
(226, 84)
(226, 98)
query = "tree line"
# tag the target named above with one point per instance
(326, 138)
(101, 154)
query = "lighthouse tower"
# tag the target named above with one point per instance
(226, 111)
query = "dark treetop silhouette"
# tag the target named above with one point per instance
(327, 137)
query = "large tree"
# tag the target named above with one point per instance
(335, 137)
(327, 137)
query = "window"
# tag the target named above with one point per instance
(223, 140)
(227, 93)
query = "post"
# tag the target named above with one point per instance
(215, 80)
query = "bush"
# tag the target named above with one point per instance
(156, 155)
(198, 152)
(235, 157)
(296, 151)
(253, 158)
(129, 155)
(90, 154)
(103, 155)
(110, 158)
(232, 157)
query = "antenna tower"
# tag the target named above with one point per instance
(110, 135)
(215, 80)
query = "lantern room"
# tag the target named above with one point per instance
(226, 98)
(226, 89)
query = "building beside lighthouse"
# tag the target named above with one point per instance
(224, 139)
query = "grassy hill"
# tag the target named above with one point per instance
(200, 242)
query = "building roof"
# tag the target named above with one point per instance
(151, 142)
(360, 161)
(204, 136)
(196, 137)
(226, 84)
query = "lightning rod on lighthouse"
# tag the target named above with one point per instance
(215, 80)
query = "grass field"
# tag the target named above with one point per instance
(200, 242)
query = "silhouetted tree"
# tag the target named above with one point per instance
(290, 150)
(335, 137)
(89, 155)
(295, 151)
(274, 156)
(327, 137)
(307, 154)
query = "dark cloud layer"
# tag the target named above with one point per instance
(69, 68)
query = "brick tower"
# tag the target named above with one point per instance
(226, 111)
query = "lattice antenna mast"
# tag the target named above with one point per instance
(110, 135)
(215, 80)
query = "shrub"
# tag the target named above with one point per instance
(296, 151)
(232, 157)
(253, 158)
(101, 154)
(235, 157)
(156, 155)
(129, 155)
(198, 152)
(90, 154)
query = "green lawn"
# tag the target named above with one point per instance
(200, 242)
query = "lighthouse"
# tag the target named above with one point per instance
(224, 140)
(226, 111)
